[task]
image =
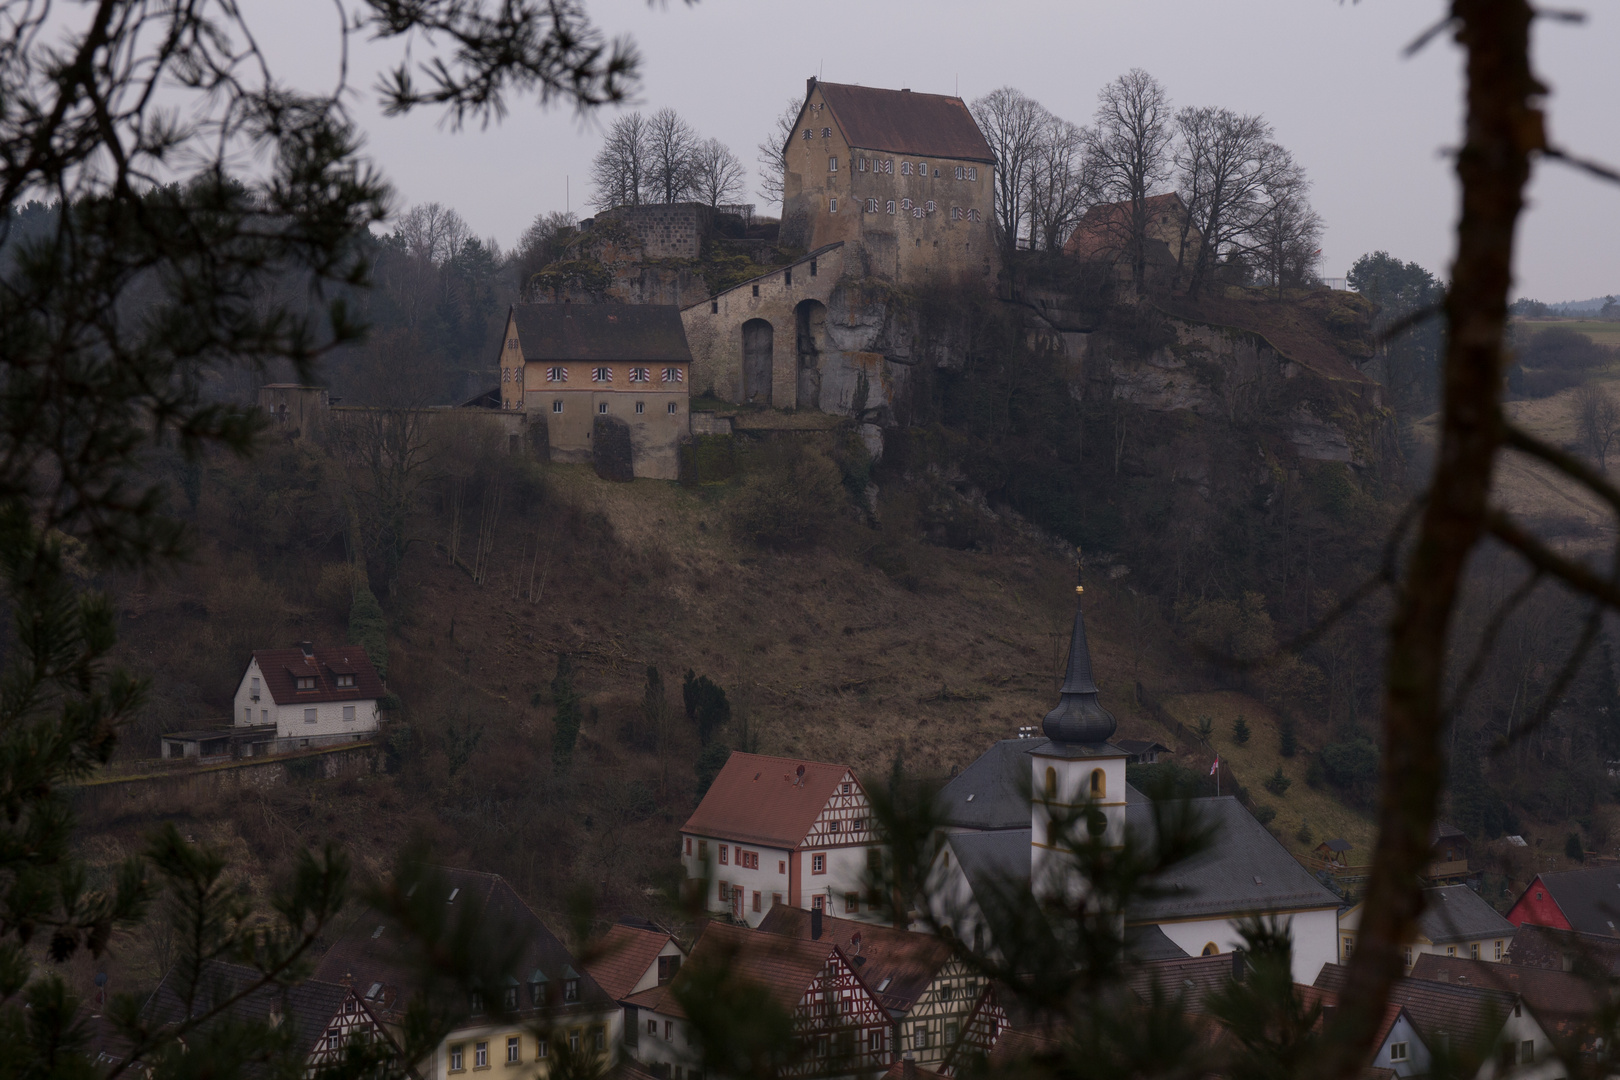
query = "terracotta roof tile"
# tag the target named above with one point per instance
(619, 958)
(1565, 1004)
(897, 964)
(928, 125)
(281, 669)
(782, 968)
(762, 800)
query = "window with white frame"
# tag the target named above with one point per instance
(601, 406)
(556, 374)
(514, 1049)
(832, 164)
(888, 206)
(826, 133)
(905, 168)
(674, 375)
(1397, 1051)
(601, 374)
(961, 173)
(309, 716)
(556, 406)
(832, 206)
(973, 174)
(481, 1055)
(457, 1062)
(871, 206)
(348, 712)
(641, 406)
(670, 408)
(306, 682)
(640, 374)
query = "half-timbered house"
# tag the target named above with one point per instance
(840, 1027)
(773, 830)
(926, 988)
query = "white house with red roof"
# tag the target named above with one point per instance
(774, 830)
(311, 695)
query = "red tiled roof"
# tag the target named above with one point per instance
(1473, 1015)
(783, 968)
(761, 800)
(281, 667)
(931, 125)
(898, 1071)
(619, 958)
(897, 964)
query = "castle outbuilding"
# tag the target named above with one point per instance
(905, 180)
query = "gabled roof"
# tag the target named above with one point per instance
(993, 792)
(1471, 1015)
(770, 801)
(998, 859)
(897, 964)
(602, 332)
(1564, 1004)
(1564, 950)
(1336, 844)
(1141, 746)
(619, 958)
(928, 125)
(1244, 870)
(1147, 943)
(307, 1006)
(1441, 831)
(374, 958)
(282, 667)
(1458, 913)
(782, 968)
(1589, 899)
(1192, 978)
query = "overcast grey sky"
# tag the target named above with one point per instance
(1370, 126)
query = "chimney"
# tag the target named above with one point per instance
(815, 924)
(309, 649)
(1238, 965)
(809, 85)
(908, 1066)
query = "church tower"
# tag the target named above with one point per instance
(1076, 775)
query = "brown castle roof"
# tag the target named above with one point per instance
(652, 333)
(765, 800)
(281, 668)
(928, 125)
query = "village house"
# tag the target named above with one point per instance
(1448, 855)
(1142, 751)
(551, 997)
(774, 830)
(1488, 1030)
(627, 960)
(1456, 921)
(322, 1017)
(905, 180)
(1000, 820)
(1563, 950)
(1586, 901)
(927, 990)
(840, 1027)
(1334, 852)
(311, 696)
(585, 373)
(1566, 1005)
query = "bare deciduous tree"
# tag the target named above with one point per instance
(1129, 152)
(1285, 237)
(1012, 124)
(619, 170)
(1597, 418)
(717, 175)
(1058, 182)
(541, 244)
(1223, 161)
(672, 148)
(772, 152)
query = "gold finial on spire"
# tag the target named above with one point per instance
(1079, 570)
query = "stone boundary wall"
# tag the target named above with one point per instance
(184, 788)
(666, 230)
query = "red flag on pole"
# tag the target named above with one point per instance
(1215, 765)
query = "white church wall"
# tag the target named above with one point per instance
(1315, 938)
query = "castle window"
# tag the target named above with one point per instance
(860, 165)
(640, 374)
(674, 374)
(714, 307)
(812, 268)
(601, 374)
(511, 343)
(871, 206)
(556, 374)
(930, 206)
(1099, 784)
(1051, 783)
(974, 215)
(832, 164)
(756, 290)
(917, 212)
(832, 206)
(787, 276)
(703, 849)
(973, 174)
(826, 133)
(556, 406)
(905, 168)
(960, 172)
(888, 205)
(883, 167)
(808, 134)
(922, 168)
(905, 206)
(671, 408)
(506, 374)
(641, 406)
(956, 213)
(601, 406)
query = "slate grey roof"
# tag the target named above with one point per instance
(993, 792)
(1458, 913)
(1589, 899)
(1147, 943)
(992, 860)
(1243, 870)
(606, 332)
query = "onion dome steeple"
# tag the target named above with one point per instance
(1079, 718)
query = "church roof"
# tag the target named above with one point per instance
(771, 801)
(993, 792)
(1243, 870)
(928, 125)
(652, 333)
(992, 860)
(1079, 726)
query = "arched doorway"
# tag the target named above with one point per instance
(810, 345)
(758, 359)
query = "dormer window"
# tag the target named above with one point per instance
(477, 1002)
(570, 990)
(306, 682)
(345, 680)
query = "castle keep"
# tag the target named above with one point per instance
(903, 179)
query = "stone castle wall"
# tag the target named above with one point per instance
(666, 231)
